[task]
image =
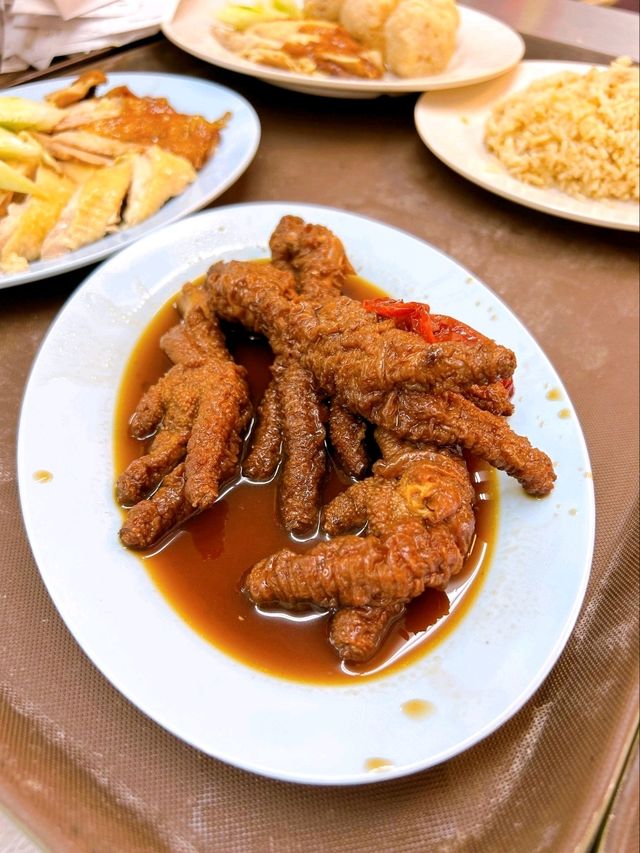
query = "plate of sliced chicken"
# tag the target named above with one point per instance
(332, 508)
(88, 165)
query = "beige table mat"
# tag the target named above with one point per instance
(84, 770)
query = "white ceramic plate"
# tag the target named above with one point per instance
(486, 47)
(238, 144)
(475, 678)
(452, 124)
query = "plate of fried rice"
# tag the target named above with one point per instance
(560, 137)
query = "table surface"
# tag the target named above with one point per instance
(84, 770)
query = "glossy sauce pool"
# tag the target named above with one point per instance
(199, 567)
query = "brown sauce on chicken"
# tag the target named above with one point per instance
(153, 121)
(199, 567)
(333, 51)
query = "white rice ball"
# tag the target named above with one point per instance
(364, 20)
(323, 10)
(420, 37)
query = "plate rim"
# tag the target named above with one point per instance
(339, 87)
(421, 117)
(68, 263)
(360, 778)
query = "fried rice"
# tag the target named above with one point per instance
(573, 131)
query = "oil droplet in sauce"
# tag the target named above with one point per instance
(564, 413)
(373, 764)
(554, 394)
(42, 476)
(417, 709)
(199, 568)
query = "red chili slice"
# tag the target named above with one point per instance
(417, 317)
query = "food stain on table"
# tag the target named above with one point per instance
(199, 567)
(42, 476)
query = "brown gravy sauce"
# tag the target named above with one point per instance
(417, 708)
(198, 568)
(373, 764)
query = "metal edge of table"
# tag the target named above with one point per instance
(570, 24)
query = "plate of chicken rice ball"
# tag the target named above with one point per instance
(332, 508)
(348, 48)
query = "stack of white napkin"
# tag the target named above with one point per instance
(34, 32)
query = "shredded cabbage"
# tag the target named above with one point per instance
(241, 16)
(23, 114)
(15, 146)
(14, 181)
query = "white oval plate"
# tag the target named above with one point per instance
(486, 47)
(475, 678)
(451, 124)
(238, 144)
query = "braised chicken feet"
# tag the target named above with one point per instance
(385, 375)
(196, 416)
(418, 513)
